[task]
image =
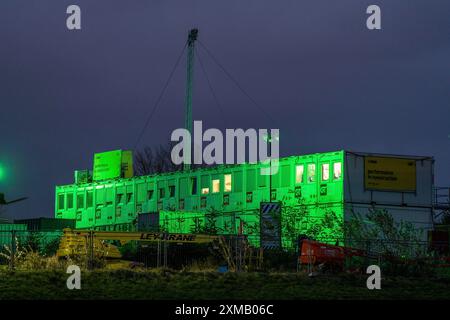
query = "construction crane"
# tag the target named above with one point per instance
(4, 202)
(192, 37)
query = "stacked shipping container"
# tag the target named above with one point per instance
(318, 183)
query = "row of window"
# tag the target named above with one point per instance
(311, 174)
(189, 185)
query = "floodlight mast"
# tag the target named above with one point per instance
(192, 37)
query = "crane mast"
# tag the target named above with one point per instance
(192, 37)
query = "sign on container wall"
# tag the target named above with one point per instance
(389, 174)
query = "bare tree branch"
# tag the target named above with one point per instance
(154, 160)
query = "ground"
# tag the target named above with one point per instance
(131, 284)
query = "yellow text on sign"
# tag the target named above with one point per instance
(390, 174)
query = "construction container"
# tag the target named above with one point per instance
(6, 233)
(46, 224)
(401, 185)
(148, 222)
(341, 182)
(83, 176)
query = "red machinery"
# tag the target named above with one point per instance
(314, 252)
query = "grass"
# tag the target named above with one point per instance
(163, 284)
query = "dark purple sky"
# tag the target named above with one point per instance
(312, 65)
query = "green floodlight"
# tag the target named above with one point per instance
(2, 172)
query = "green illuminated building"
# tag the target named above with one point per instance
(234, 192)
(308, 186)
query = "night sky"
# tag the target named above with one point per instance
(325, 80)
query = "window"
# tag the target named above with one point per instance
(216, 185)
(69, 200)
(227, 184)
(299, 173)
(337, 170)
(205, 190)
(89, 199)
(80, 200)
(150, 194)
(60, 201)
(119, 198)
(325, 172)
(194, 185)
(129, 197)
(171, 191)
(161, 193)
(311, 172)
(172, 188)
(161, 189)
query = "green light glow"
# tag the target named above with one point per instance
(2, 172)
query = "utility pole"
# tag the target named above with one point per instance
(192, 37)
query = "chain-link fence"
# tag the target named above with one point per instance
(17, 244)
(232, 252)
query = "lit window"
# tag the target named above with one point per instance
(205, 190)
(216, 185)
(227, 183)
(311, 172)
(299, 174)
(325, 172)
(337, 170)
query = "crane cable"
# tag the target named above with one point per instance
(150, 116)
(237, 84)
(213, 93)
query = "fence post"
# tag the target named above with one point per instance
(366, 262)
(13, 250)
(158, 253)
(165, 253)
(91, 250)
